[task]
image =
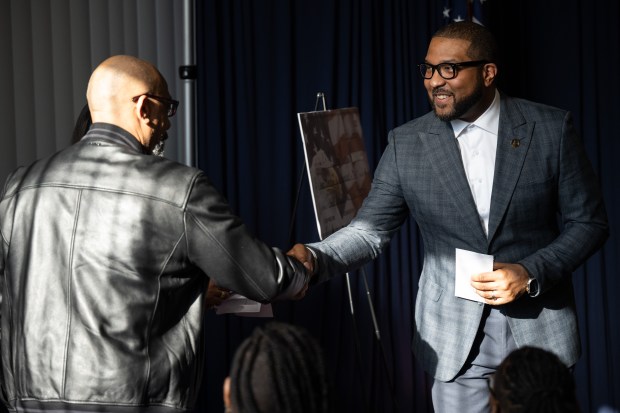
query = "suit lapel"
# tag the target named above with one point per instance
(513, 143)
(446, 160)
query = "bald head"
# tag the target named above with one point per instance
(111, 91)
(115, 81)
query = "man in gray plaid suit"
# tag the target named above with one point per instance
(491, 174)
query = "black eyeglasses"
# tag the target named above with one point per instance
(171, 103)
(447, 70)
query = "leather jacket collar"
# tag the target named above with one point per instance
(107, 133)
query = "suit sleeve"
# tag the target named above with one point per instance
(582, 213)
(382, 213)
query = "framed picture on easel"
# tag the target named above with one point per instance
(337, 165)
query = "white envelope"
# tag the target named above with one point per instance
(469, 263)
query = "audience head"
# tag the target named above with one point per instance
(533, 380)
(279, 368)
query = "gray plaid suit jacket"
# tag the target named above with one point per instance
(547, 213)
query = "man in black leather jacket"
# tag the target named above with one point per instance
(106, 253)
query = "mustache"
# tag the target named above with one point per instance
(440, 91)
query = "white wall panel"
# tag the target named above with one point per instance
(50, 47)
(64, 104)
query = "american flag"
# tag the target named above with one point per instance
(461, 10)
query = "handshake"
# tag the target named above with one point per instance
(304, 255)
(308, 259)
(216, 294)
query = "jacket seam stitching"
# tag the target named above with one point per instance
(69, 280)
(110, 190)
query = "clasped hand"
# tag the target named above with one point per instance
(303, 255)
(504, 284)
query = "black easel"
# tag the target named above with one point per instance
(320, 97)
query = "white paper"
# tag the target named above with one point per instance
(265, 311)
(240, 305)
(469, 263)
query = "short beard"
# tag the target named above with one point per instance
(461, 106)
(158, 150)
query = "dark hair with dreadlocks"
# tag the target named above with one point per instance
(533, 380)
(279, 368)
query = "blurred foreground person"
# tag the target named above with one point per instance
(533, 380)
(278, 369)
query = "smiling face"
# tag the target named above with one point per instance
(466, 96)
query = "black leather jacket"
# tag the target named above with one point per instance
(106, 255)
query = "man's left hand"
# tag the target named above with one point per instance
(504, 284)
(215, 295)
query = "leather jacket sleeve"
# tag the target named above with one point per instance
(222, 246)
(2, 250)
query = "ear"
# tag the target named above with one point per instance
(226, 393)
(142, 107)
(489, 72)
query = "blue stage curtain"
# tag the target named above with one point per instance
(262, 62)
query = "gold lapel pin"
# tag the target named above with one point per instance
(515, 143)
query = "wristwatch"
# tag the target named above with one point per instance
(532, 287)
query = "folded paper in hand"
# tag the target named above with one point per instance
(469, 263)
(240, 305)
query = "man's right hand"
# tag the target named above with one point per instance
(303, 255)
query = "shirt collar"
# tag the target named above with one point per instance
(488, 121)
